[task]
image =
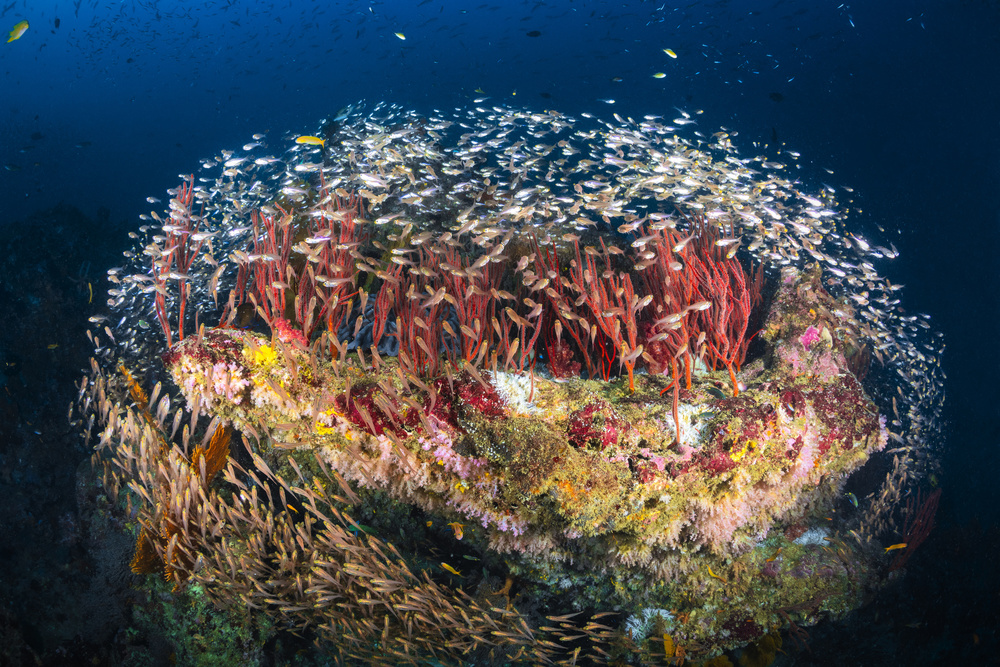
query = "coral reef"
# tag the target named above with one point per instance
(435, 420)
(583, 486)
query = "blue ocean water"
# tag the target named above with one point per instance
(105, 103)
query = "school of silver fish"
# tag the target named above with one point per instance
(470, 177)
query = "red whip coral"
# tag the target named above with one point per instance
(701, 300)
(311, 292)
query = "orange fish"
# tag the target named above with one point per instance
(901, 545)
(457, 527)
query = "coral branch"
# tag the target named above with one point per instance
(311, 290)
(473, 286)
(919, 524)
(699, 291)
(173, 259)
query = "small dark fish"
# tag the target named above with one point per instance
(245, 316)
(57, 22)
(777, 97)
(534, 33)
(546, 96)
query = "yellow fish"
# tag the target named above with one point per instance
(670, 53)
(457, 527)
(659, 75)
(400, 35)
(310, 140)
(18, 30)
(449, 568)
(901, 545)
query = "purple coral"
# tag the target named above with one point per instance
(809, 337)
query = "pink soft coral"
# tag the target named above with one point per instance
(283, 329)
(809, 337)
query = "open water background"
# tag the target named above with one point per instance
(105, 103)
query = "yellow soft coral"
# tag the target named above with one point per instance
(265, 356)
(322, 428)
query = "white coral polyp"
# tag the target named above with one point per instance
(229, 380)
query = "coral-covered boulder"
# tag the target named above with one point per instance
(577, 473)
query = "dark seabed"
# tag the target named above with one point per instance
(896, 105)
